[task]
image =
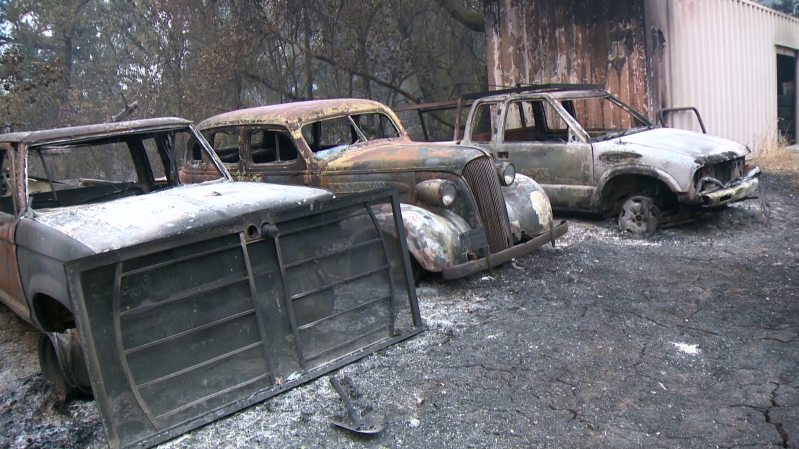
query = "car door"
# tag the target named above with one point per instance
(10, 287)
(271, 155)
(539, 138)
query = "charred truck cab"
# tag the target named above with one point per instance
(462, 212)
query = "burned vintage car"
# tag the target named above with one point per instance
(462, 212)
(178, 304)
(592, 153)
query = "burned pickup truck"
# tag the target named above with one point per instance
(592, 153)
(462, 212)
(178, 304)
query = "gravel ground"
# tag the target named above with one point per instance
(688, 339)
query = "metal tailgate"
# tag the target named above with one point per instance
(181, 332)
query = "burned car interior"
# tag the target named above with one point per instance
(104, 169)
(601, 117)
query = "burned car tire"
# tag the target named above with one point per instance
(62, 363)
(639, 216)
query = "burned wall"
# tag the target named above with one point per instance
(569, 41)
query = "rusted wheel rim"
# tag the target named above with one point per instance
(639, 215)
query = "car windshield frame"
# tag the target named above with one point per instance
(34, 150)
(557, 99)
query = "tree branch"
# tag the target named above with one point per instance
(470, 19)
(271, 87)
(349, 69)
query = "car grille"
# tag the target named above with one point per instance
(482, 179)
(724, 172)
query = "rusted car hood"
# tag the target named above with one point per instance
(396, 155)
(133, 220)
(701, 147)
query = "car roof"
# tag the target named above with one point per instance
(557, 95)
(289, 113)
(89, 131)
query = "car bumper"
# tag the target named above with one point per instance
(475, 266)
(740, 189)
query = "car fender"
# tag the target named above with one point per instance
(652, 172)
(528, 207)
(42, 276)
(433, 238)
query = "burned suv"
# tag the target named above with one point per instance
(462, 212)
(188, 302)
(592, 153)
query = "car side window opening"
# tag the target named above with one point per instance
(484, 123)
(226, 145)
(267, 146)
(329, 137)
(376, 126)
(534, 121)
(6, 193)
(197, 165)
(520, 123)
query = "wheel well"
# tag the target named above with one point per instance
(619, 188)
(51, 315)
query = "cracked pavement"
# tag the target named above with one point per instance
(689, 339)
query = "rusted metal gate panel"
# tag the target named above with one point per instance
(179, 333)
(569, 41)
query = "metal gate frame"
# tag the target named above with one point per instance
(115, 388)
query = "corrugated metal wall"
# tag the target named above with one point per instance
(720, 56)
(569, 41)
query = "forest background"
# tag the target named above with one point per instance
(72, 62)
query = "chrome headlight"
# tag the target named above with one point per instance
(507, 173)
(448, 193)
(437, 192)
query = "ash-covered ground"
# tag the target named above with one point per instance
(688, 339)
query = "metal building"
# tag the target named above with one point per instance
(735, 60)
